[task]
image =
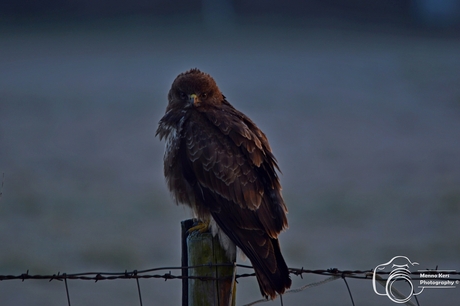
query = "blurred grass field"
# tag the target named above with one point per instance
(365, 123)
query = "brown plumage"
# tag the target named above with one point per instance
(219, 163)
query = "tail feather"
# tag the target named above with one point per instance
(262, 250)
(265, 255)
(272, 282)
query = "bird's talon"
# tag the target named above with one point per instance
(200, 227)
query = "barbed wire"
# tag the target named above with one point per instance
(137, 274)
(332, 273)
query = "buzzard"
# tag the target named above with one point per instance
(218, 162)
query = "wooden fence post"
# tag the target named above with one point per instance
(203, 249)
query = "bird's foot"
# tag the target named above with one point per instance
(200, 227)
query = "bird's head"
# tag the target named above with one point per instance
(194, 88)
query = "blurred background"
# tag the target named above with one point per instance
(360, 101)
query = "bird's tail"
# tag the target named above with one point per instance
(264, 253)
(272, 279)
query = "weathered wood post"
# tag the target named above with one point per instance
(201, 249)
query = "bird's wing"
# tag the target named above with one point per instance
(234, 169)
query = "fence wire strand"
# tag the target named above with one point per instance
(66, 290)
(333, 274)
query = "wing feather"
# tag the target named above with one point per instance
(231, 158)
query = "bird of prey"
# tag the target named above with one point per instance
(218, 162)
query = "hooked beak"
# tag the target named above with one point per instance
(194, 100)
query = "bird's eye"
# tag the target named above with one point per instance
(204, 95)
(182, 95)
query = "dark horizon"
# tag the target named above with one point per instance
(425, 14)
